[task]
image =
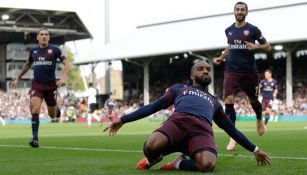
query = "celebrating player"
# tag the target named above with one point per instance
(241, 71)
(189, 129)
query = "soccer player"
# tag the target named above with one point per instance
(93, 106)
(241, 71)
(189, 129)
(44, 86)
(268, 90)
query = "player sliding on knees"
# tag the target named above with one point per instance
(189, 129)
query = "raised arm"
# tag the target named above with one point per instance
(224, 123)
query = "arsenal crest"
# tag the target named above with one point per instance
(49, 51)
(246, 32)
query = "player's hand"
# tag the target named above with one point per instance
(113, 127)
(217, 60)
(14, 83)
(251, 46)
(262, 158)
(61, 82)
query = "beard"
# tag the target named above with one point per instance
(240, 19)
(204, 82)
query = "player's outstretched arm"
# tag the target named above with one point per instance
(262, 157)
(136, 115)
(113, 127)
(224, 122)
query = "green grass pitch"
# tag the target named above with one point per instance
(70, 148)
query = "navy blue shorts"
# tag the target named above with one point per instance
(188, 134)
(93, 107)
(246, 81)
(46, 91)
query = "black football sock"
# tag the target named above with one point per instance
(231, 113)
(58, 112)
(189, 165)
(35, 125)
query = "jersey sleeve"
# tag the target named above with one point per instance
(30, 59)
(59, 54)
(221, 119)
(162, 103)
(226, 31)
(258, 36)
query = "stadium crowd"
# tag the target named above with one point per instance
(15, 105)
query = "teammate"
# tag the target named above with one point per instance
(241, 71)
(268, 90)
(44, 86)
(93, 106)
(189, 129)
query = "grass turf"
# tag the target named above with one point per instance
(70, 148)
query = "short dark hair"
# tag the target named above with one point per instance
(90, 84)
(241, 3)
(40, 29)
(268, 70)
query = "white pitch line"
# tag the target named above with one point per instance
(138, 151)
(144, 133)
(272, 157)
(75, 148)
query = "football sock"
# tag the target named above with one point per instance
(189, 165)
(58, 112)
(35, 125)
(266, 118)
(257, 107)
(230, 112)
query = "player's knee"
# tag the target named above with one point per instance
(156, 142)
(150, 146)
(205, 166)
(35, 109)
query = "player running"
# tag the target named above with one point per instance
(268, 88)
(44, 86)
(241, 71)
